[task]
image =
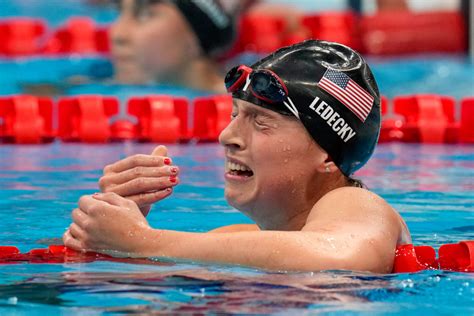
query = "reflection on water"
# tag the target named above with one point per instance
(198, 290)
(204, 290)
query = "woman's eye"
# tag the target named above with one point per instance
(260, 124)
(233, 115)
(144, 15)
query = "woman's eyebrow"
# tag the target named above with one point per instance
(259, 112)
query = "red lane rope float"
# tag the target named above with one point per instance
(211, 116)
(161, 118)
(408, 258)
(457, 257)
(26, 119)
(86, 118)
(21, 36)
(60, 254)
(79, 35)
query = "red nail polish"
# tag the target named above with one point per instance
(174, 170)
(167, 161)
(173, 179)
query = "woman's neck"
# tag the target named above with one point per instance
(200, 74)
(294, 213)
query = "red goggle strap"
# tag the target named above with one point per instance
(245, 71)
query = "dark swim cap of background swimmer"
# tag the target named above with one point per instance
(335, 95)
(214, 27)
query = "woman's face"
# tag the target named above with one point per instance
(271, 161)
(151, 40)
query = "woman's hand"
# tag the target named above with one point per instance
(107, 222)
(143, 179)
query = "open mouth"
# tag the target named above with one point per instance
(237, 169)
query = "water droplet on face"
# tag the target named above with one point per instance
(131, 234)
(286, 160)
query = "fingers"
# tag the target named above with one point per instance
(109, 181)
(160, 151)
(76, 232)
(79, 217)
(112, 199)
(136, 161)
(151, 197)
(143, 185)
(71, 242)
(92, 206)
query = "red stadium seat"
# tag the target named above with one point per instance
(261, 33)
(21, 36)
(339, 27)
(86, 118)
(404, 32)
(26, 119)
(160, 118)
(211, 116)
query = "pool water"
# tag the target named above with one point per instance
(431, 185)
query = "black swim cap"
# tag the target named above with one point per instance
(335, 95)
(214, 28)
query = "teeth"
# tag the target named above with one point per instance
(236, 167)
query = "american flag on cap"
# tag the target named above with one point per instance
(348, 92)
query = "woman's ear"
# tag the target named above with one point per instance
(193, 47)
(327, 166)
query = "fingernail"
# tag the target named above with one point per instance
(169, 189)
(167, 161)
(173, 179)
(174, 170)
(95, 194)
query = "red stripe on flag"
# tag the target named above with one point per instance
(346, 99)
(361, 91)
(367, 99)
(340, 94)
(335, 91)
(364, 103)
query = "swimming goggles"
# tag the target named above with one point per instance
(264, 84)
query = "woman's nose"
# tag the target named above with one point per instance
(232, 136)
(121, 30)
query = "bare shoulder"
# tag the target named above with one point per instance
(351, 207)
(361, 224)
(352, 200)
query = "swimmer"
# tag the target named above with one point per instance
(304, 119)
(171, 42)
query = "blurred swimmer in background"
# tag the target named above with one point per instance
(173, 42)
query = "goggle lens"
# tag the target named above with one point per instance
(267, 86)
